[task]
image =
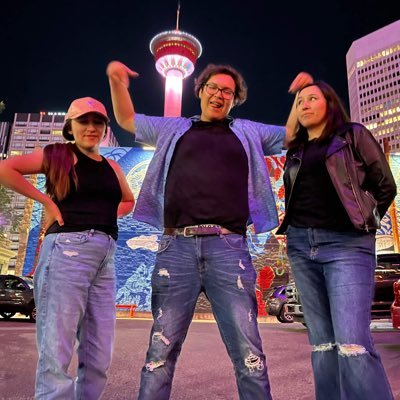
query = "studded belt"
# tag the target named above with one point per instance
(198, 230)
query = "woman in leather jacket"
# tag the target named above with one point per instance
(338, 187)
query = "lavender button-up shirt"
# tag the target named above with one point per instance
(163, 133)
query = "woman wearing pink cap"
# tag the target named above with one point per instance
(75, 280)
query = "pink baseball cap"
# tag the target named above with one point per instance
(81, 107)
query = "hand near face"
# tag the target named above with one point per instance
(301, 80)
(52, 214)
(120, 73)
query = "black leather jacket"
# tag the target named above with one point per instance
(359, 173)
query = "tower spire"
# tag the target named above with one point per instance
(177, 15)
(175, 53)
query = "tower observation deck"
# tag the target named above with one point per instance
(175, 53)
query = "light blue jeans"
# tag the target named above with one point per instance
(334, 274)
(75, 301)
(221, 267)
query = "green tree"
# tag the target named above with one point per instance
(2, 106)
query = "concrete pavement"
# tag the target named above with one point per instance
(204, 370)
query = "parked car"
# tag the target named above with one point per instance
(395, 308)
(387, 273)
(276, 304)
(16, 296)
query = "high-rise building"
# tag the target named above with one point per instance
(30, 131)
(4, 133)
(175, 53)
(373, 75)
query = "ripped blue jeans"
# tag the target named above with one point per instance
(74, 289)
(334, 274)
(221, 267)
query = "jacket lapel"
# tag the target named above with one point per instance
(337, 143)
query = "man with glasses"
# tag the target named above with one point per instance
(206, 181)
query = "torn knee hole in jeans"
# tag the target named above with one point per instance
(324, 347)
(349, 350)
(253, 362)
(152, 365)
(159, 337)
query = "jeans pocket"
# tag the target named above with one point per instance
(72, 237)
(235, 241)
(165, 241)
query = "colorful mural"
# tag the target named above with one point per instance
(137, 242)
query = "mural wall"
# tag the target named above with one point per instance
(137, 242)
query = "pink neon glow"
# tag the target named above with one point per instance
(173, 93)
(174, 61)
(175, 53)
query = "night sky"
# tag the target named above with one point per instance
(55, 51)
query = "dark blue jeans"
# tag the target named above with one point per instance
(221, 267)
(334, 274)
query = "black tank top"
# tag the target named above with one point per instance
(94, 204)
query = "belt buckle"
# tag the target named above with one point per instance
(203, 230)
(188, 227)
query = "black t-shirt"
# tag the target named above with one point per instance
(315, 202)
(94, 204)
(207, 179)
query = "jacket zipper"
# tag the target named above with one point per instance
(294, 180)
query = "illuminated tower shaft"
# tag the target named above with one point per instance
(173, 93)
(175, 53)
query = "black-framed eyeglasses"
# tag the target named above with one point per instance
(226, 93)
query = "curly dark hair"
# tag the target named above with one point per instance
(211, 70)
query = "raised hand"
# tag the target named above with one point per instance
(301, 80)
(119, 72)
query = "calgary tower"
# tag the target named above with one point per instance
(175, 53)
